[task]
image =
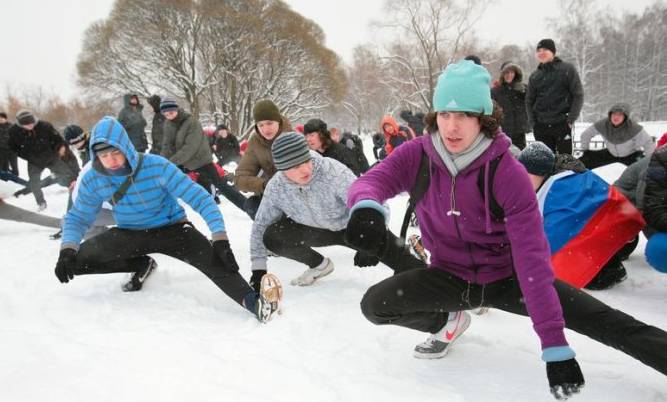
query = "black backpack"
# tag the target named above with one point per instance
(424, 180)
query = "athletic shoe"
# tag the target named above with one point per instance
(312, 274)
(269, 298)
(438, 344)
(138, 278)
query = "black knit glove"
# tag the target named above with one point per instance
(363, 259)
(66, 265)
(565, 378)
(366, 231)
(223, 256)
(256, 279)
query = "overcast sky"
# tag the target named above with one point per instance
(42, 38)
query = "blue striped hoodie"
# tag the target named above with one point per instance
(150, 200)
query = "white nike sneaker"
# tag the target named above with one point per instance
(312, 274)
(438, 344)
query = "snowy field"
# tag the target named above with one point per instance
(181, 339)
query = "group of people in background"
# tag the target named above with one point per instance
(492, 209)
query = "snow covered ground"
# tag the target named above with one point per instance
(180, 339)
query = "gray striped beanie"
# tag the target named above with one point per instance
(289, 150)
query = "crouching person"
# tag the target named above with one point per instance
(143, 191)
(304, 206)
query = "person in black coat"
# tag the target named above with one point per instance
(510, 94)
(354, 144)
(655, 210)
(319, 140)
(132, 119)
(8, 159)
(42, 146)
(157, 125)
(226, 146)
(553, 99)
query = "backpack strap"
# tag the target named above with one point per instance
(120, 193)
(422, 182)
(496, 210)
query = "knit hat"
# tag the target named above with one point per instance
(266, 110)
(547, 44)
(73, 134)
(168, 105)
(656, 252)
(103, 147)
(463, 87)
(289, 150)
(313, 125)
(662, 141)
(538, 159)
(25, 117)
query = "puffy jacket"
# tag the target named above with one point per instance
(554, 94)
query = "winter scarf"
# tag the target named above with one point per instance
(457, 162)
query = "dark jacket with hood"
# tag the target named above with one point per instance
(38, 146)
(184, 143)
(622, 140)
(157, 125)
(134, 123)
(256, 166)
(554, 94)
(655, 195)
(4, 135)
(151, 198)
(511, 97)
(339, 152)
(414, 121)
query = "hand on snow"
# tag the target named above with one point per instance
(223, 256)
(565, 378)
(363, 259)
(66, 265)
(366, 231)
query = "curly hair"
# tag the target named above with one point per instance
(490, 125)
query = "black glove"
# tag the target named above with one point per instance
(366, 231)
(363, 259)
(565, 378)
(66, 265)
(223, 255)
(256, 279)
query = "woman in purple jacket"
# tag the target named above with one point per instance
(477, 259)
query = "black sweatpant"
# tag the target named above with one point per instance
(602, 157)
(9, 161)
(296, 241)
(208, 175)
(557, 136)
(124, 250)
(422, 299)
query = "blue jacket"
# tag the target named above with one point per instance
(150, 201)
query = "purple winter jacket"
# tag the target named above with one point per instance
(460, 232)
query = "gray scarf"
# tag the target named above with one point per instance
(457, 162)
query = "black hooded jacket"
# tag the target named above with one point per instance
(38, 146)
(554, 94)
(511, 97)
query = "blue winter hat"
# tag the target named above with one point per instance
(463, 87)
(656, 252)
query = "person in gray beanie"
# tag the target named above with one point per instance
(304, 207)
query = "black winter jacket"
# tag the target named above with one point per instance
(343, 155)
(38, 146)
(226, 149)
(512, 99)
(554, 94)
(4, 135)
(655, 196)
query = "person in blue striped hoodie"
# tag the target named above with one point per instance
(143, 190)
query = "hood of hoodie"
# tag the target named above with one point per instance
(154, 101)
(391, 121)
(110, 131)
(618, 134)
(126, 101)
(518, 73)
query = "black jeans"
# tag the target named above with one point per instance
(296, 241)
(422, 299)
(124, 250)
(208, 175)
(557, 136)
(62, 172)
(9, 161)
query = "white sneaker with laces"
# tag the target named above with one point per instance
(312, 274)
(438, 344)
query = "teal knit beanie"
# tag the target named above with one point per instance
(463, 87)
